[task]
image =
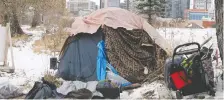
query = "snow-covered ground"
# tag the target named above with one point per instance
(30, 66)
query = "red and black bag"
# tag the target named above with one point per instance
(179, 78)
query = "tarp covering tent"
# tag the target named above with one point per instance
(129, 45)
(117, 17)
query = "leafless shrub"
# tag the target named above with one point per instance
(55, 36)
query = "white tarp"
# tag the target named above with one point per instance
(3, 36)
(8, 90)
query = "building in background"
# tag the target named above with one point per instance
(75, 6)
(110, 3)
(191, 4)
(125, 4)
(196, 14)
(211, 10)
(207, 5)
(202, 4)
(178, 7)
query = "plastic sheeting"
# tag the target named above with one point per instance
(7, 90)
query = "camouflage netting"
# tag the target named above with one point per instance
(125, 51)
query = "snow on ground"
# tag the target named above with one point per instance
(155, 90)
(30, 66)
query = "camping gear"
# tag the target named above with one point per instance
(180, 80)
(108, 89)
(128, 49)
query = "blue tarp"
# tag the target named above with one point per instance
(102, 63)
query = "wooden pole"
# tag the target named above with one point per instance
(10, 42)
(6, 47)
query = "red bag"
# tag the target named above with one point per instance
(180, 79)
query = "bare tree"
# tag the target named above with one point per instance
(219, 25)
(9, 13)
(42, 7)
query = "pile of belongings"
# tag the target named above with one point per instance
(75, 90)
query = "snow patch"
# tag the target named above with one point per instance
(155, 90)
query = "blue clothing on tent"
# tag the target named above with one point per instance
(102, 62)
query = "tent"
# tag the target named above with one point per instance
(129, 46)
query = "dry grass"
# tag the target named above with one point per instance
(23, 38)
(54, 38)
(51, 42)
(52, 79)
